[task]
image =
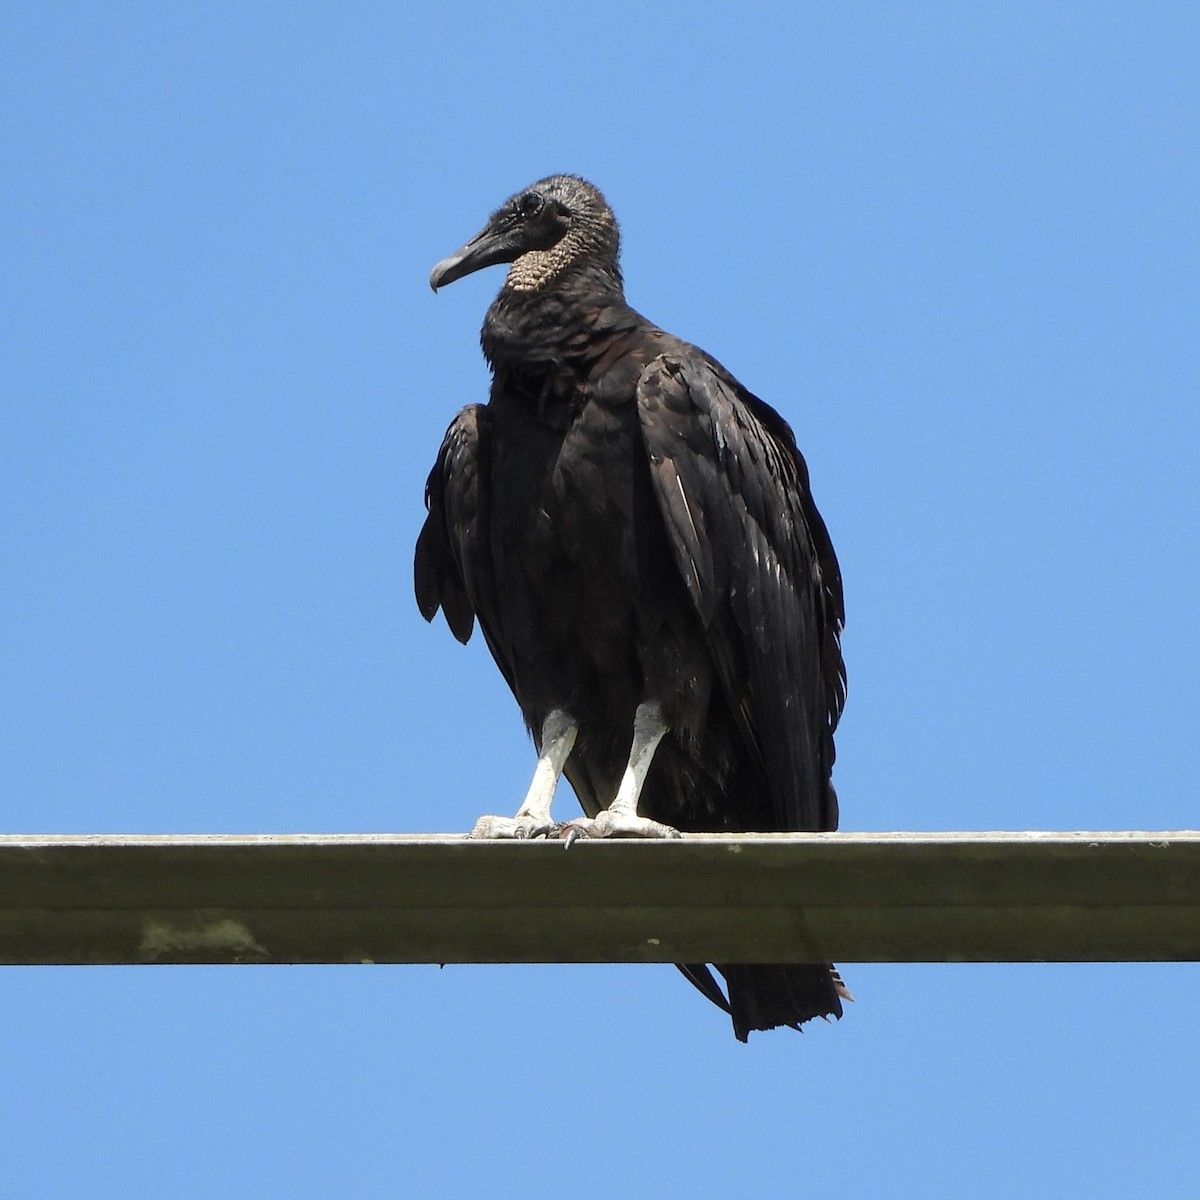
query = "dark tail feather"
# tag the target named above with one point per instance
(702, 979)
(768, 995)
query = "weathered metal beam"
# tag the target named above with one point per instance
(866, 897)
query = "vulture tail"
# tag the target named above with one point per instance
(768, 995)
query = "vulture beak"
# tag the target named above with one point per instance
(485, 249)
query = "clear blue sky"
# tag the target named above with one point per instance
(955, 244)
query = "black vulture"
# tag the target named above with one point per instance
(635, 534)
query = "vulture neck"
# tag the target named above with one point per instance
(559, 321)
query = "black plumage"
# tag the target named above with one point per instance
(631, 527)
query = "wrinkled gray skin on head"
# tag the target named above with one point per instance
(541, 231)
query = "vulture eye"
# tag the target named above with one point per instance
(529, 205)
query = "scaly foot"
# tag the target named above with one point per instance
(607, 824)
(519, 828)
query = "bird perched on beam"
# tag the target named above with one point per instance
(635, 534)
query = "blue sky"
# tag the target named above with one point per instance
(956, 246)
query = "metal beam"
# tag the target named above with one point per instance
(865, 897)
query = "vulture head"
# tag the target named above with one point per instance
(542, 230)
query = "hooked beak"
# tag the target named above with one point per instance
(485, 249)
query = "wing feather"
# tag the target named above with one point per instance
(453, 567)
(759, 568)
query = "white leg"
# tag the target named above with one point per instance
(621, 818)
(533, 817)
